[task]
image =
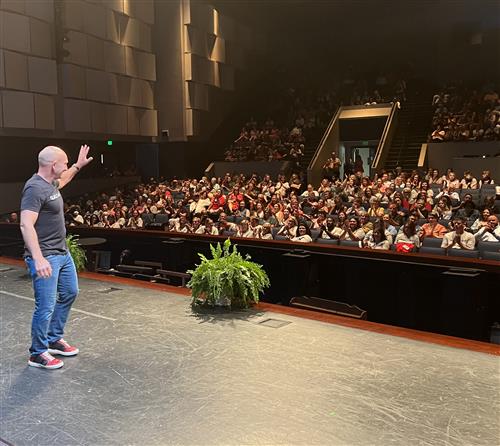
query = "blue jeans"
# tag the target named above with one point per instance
(53, 299)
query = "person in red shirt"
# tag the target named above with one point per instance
(217, 204)
(234, 199)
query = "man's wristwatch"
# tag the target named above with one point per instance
(76, 167)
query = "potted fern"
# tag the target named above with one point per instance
(228, 279)
(76, 252)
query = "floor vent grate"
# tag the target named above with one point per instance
(274, 323)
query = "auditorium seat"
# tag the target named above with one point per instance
(463, 253)
(432, 242)
(474, 192)
(488, 247)
(349, 243)
(315, 234)
(162, 218)
(432, 250)
(280, 237)
(490, 255)
(147, 218)
(327, 241)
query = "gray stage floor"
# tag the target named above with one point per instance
(150, 372)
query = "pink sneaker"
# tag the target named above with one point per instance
(46, 361)
(61, 347)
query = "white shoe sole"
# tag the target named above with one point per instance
(60, 352)
(41, 366)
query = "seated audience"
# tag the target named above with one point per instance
(489, 232)
(458, 238)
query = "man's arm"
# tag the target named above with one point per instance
(82, 161)
(28, 220)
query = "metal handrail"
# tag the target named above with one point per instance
(381, 145)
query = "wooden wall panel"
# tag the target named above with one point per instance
(44, 112)
(74, 84)
(77, 116)
(18, 109)
(14, 32)
(42, 75)
(41, 38)
(16, 70)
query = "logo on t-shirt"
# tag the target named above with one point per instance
(55, 196)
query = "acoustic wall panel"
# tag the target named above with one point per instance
(202, 17)
(95, 53)
(146, 65)
(218, 53)
(97, 83)
(226, 28)
(98, 117)
(143, 10)
(147, 94)
(149, 123)
(18, 109)
(77, 116)
(113, 88)
(73, 15)
(133, 121)
(44, 112)
(130, 32)
(131, 62)
(77, 48)
(14, 32)
(41, 9)
(145, 37)
(2, 70)
(197, 96)
(188, 67)
(193, 122)
(114, 56)
(42, 75)
(14, 5)
(94, 20)
(217, 80)
(196, 42)
(116, 119)
(124, 90)
(16, 70)
(112, 26)
(135, 97)
(41, 38)
(73, 81)
(115, 5)
(201, 70)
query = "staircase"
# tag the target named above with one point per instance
(313, 138)
(413, 127)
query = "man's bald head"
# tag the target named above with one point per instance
(50, 154)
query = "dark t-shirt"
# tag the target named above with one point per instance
(45, 199)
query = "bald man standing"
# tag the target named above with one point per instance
(51, 267)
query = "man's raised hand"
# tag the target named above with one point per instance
(83, 158)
